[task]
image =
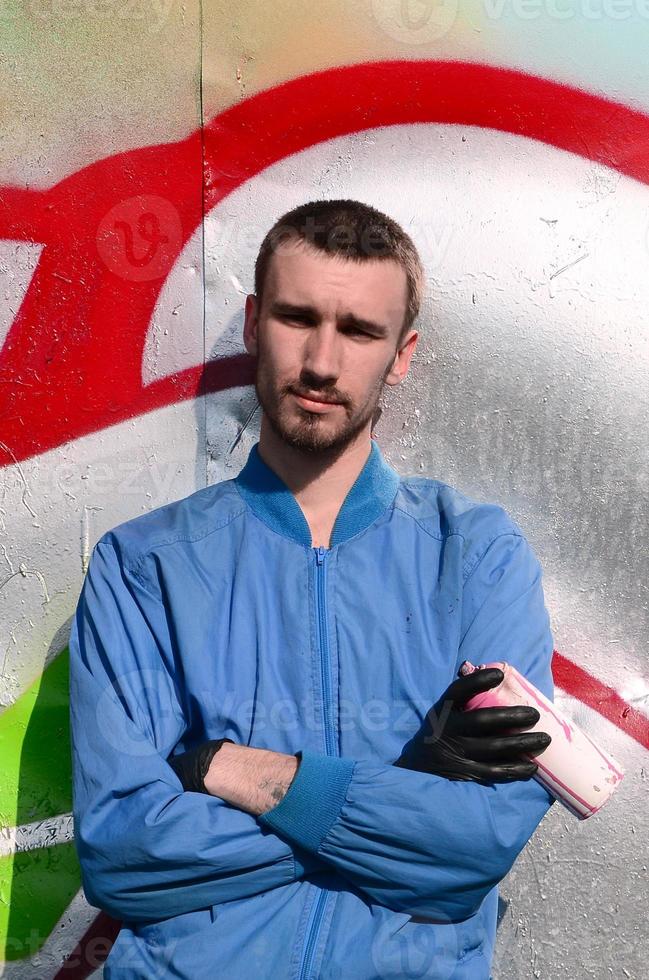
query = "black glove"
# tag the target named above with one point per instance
(191, 767)
(475, 745)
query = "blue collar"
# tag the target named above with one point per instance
(272, 501)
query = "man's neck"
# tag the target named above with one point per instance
(319, 482)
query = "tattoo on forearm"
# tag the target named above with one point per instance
(275, 790)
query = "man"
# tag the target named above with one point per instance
(309, 613)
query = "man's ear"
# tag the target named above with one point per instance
(402, 358)
(251, 324)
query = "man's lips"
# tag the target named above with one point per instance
(315, 403)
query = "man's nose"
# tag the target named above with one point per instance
(322, 353)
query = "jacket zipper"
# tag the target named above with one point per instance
(323, 633)
(317, 912)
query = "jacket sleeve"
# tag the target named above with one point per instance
(147, 849)
(419, 843)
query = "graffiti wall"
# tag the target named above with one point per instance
(147, 147)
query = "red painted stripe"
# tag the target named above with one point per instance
(578, 683)
(307, 110)
(91, 950)
(71, 363)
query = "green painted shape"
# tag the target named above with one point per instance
(36, 778)
(36, 887)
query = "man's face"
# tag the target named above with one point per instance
(325, 340)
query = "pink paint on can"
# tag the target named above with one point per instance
(573, 768)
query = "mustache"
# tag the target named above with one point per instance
(326, 394)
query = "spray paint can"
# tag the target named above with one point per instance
(573, 768)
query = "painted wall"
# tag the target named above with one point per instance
(511, 139)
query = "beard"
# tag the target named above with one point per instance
(309, 432)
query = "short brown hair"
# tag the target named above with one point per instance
(353, 230)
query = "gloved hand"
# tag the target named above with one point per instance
(475, 745)
(191, 766)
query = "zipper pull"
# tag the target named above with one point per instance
(320, 554)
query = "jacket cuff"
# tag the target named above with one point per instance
(313, 801)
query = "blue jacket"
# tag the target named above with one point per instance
(213, 616)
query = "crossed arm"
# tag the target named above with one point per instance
(406, 839)
(253, 780)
